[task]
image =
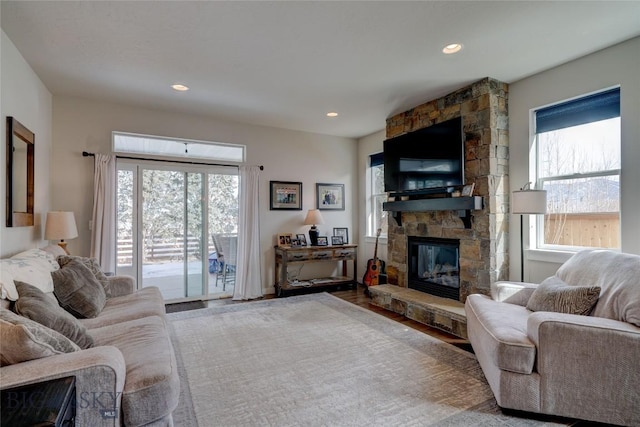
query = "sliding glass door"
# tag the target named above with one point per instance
(168, 214)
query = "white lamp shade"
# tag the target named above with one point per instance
(529, 202)
(60, 226)
(313, 217)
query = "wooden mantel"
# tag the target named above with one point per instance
(463, 206)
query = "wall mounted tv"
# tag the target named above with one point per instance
(428, 160)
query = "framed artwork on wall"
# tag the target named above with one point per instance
(330, 196)
(285, 195)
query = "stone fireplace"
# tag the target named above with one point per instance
(482, 243)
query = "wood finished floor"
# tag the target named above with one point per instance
(359, 298)
(356, 297)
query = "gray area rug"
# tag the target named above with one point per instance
(315, 360)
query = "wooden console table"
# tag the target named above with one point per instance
(286, 256)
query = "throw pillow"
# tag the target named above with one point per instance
(36, 271)
(40, 254)
(23, 339)
(39, 307)
(7, 285)
(78, 291)
(93, 265)
(555, 295)
(54, 250)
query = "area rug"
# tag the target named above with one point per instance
(316, 360)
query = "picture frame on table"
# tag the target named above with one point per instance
(323, 241)
(467, 190)
(295, 242)
(284, 239)
(336, 240)
(285, 195)
(330, 197)
(343, 232)
(302, 238)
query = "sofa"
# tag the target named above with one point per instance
(55, 323)
(569, 346)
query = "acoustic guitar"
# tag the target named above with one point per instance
(374, 266)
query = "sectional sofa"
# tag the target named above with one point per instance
(114, 340)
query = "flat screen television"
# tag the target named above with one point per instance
(428, 160)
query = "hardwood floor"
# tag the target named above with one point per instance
(360, 299)
(356, 297)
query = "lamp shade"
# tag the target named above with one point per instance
(529, 202)
(313, 217)
(60, 225)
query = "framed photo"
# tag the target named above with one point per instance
(284, 239)
(302, 238)
(285, 195)
(467, 190)
(295, 242)
(337, 240)
(330, 196)
(342, 232)
(323, 241)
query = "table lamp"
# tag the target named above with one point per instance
(313, 217)
(60, 226)
(527, 202)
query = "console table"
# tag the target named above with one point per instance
(286, 256)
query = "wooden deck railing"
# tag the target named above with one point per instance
(161, 250)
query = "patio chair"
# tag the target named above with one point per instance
(227, 248)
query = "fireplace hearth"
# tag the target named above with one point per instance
(434, 266)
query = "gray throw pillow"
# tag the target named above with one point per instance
(23, 339)
(39, 307)
(93, 265)
(555, 295)
(78, 291)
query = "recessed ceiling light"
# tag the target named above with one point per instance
(180, 87)
(332, 114)
(452, 48)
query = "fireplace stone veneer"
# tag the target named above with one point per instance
(483, 256)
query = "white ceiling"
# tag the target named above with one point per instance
(287, 63)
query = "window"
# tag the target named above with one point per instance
(578, 163)
(377, 218)
(172, 147)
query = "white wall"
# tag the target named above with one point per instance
(24, 97)
(617, 65)
(80, 124)
(367, 146)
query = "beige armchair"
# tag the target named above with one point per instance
(577, 366)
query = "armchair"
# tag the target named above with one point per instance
(577, 366)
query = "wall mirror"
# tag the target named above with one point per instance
(20, 170)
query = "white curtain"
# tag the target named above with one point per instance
(103, 233)
(248, 279)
